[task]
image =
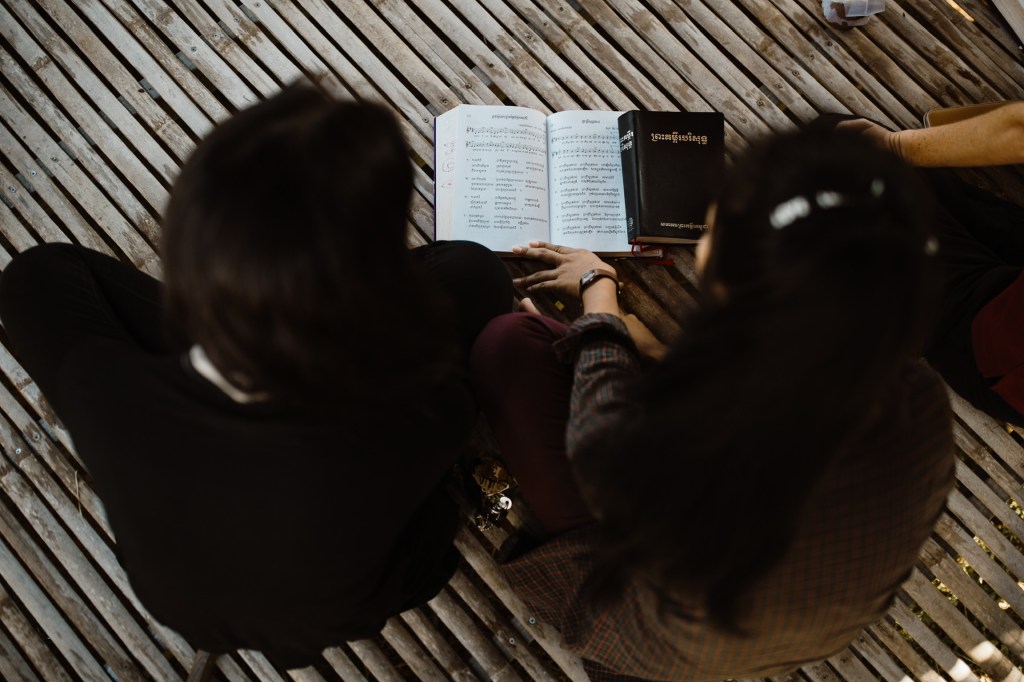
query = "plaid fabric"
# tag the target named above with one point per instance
(605, 357)
(866, 521)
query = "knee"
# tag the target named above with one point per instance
(31, 271)
(476, 268)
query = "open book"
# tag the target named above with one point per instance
(506, 176)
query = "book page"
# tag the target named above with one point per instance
(491, 185)
(588, 208)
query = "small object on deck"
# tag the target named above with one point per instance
(850, 13)
(494, 480)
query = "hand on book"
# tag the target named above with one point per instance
(568, 267)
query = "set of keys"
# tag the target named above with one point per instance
(494, 481)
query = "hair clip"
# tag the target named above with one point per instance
(829, 199)
(789, 211)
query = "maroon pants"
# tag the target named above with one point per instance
(524, 393)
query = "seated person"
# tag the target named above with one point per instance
(270, 429)
(978, 341)
(750, 502)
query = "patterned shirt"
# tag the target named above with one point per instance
(866, 519)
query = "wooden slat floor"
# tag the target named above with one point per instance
(102, 100)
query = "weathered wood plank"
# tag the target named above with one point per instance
(960, 630)
(29, 640)
(375, 661)
(879, 659)
(983, 529)
(56, 463)
(71, 176)
(998, 579)
(995, 472)
(783, 77)
(968, 593)
(190, 101)
(529, 70)
(436, 54)
(700, 62)
(12, 665)
(850, 667)
(997, 506)
(253, 40)
(481, 56)
(13, 229)
(951, 664)
(58, 631)
(47, 192)
(962, 46)
(984, 16)
(549, 639)
(504, 631)
(443, 653)
(1007, 450)
(198, 53)
(223, 42)
(577, 74)
(64, 598)
(908, 656)
(148, 152)
(384, 84)
(1013, 12)
(342, 665)
(496, 665)
(831, 63)
(165, 126)
(75, 562)
(406, 646)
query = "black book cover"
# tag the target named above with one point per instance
(670, 160)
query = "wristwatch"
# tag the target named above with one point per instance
(591, 276)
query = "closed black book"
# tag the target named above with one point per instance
(670, 162)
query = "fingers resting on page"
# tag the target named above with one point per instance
(568, 266)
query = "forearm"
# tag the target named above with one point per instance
(990, 139)
(604, 357)
(602, 296)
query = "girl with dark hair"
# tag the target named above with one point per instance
(753, 500)
(270, 429)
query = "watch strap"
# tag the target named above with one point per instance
(591, 276)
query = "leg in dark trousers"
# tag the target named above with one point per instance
(524, 392)
(56, 297)
(475, 280)
(993, 222)
(981, 246)
(981, 249)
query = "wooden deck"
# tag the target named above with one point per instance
(102, 100)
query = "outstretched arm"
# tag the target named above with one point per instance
(568, 265)
(991, 139)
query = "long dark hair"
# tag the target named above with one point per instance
(284, 248)
(818, 291)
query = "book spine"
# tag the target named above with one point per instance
(630, 176)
